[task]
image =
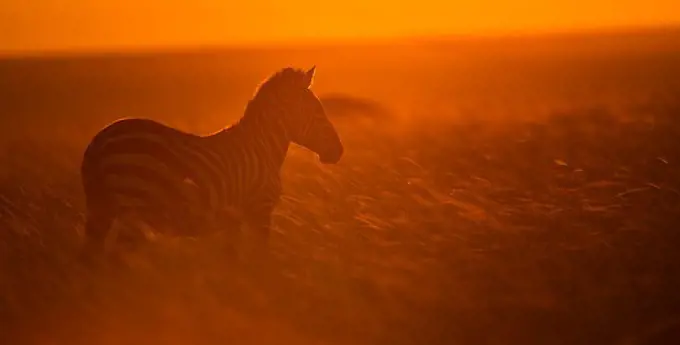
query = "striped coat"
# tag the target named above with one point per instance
(175, 181)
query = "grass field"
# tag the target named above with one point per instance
(461, 222)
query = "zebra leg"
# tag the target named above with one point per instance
(97, 225)
(130, 234)
(235, 239)
(260, 227)
(259, 219)
(100, 212)
(230, 225)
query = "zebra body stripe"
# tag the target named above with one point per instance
(189, 175)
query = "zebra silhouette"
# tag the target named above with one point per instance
(143, 170)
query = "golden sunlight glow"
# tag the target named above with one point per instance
(93, 24)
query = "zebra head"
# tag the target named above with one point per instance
(307, 123)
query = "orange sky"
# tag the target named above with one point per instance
(44, 25)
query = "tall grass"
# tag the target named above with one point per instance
(556, 232)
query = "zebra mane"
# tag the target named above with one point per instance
(283, 82)
(285, 79)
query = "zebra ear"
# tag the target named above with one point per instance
(309, 76)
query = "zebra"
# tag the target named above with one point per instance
(170, 179)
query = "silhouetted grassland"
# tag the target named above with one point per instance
(456, 232)
(435, 228)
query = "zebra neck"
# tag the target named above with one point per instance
(265, 133)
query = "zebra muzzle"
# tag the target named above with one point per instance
(331, 156)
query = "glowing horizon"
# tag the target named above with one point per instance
(48, 25)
